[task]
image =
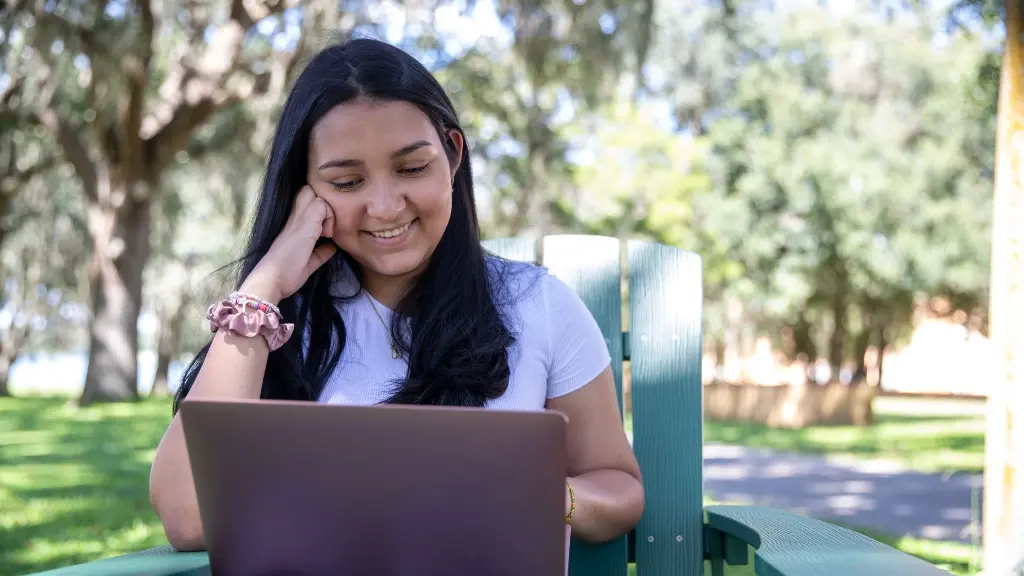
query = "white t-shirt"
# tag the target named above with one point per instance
(558, 348)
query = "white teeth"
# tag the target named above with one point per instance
(392, 233)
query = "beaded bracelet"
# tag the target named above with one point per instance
(244, 299)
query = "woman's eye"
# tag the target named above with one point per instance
(414, 169)
(348, 185)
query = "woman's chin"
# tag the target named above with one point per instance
(400, 264)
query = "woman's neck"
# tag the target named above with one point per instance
(387, 290)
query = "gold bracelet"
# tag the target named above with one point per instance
(572, 502)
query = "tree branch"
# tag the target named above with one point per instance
(71, 144)
(59, 27)
(13, 87)
(135, 67)
(21, 177)
(47, 108)
(197, 87)
(250, 13)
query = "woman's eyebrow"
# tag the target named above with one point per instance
(349, 162)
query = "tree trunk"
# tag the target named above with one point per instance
(733, 358)
(163, 371)
(160, 381)
(860, 351)
(13, 341)
(837, 342)
(121, 248)
(167, 347)
(803, 343)
(883, 343)
(6, 361)
(719, 357)
(1003, 507)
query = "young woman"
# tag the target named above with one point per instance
(365, 282)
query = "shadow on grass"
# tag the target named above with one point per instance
(926, 443)
(74, 482)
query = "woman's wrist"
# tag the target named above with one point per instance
(264, 290)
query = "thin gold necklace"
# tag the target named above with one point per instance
(395, 353)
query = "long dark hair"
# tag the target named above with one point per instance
(447, 321)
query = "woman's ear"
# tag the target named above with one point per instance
(458, 142)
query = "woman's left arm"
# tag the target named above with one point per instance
(603, 471)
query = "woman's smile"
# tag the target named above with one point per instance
(393, 237)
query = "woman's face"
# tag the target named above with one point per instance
(382, 169)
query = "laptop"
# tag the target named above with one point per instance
(305, 488)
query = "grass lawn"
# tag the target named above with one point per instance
(74, 483)
(951, 442)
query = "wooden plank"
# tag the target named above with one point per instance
(521, 248)
(159, 561)
(591, 266)
(665, 313)
(1003, 506)
(789, 544)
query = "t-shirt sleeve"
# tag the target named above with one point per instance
(577, 350)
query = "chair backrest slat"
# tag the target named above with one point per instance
(665, 315)
(520, 249)
(664, 343)
(591, 266)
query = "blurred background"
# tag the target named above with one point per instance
(832, 161)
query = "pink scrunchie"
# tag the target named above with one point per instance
(249, 322)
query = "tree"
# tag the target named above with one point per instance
(124, 86)
(205, 200)
(847, 176)
(1004, 435)
(41, 264)
(519, 94)
(40, 223)
(698, 50)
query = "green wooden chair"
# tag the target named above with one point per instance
(677, 535)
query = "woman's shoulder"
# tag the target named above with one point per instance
(516, 283)
(532, 289)
(555, 322)
(512, 276)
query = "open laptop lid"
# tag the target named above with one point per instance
(306, 488)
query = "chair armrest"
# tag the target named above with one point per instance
(789, 544)
(159, 561)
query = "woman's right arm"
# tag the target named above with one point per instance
(234, 365)
(233, 368)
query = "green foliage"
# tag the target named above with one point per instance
(520, 94)
(42, 220)
(846, 163)
(826, 162)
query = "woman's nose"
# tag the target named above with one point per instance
(386, 203)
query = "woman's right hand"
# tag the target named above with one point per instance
(294, 255)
